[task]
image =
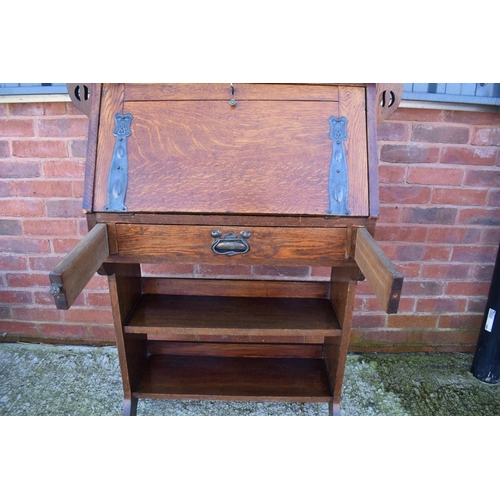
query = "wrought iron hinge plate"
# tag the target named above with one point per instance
(338, 183)
(118, 171)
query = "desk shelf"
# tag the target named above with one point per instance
(231, 347)
(165, 316)
(234, 378)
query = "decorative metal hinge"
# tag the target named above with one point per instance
(118, 171)
(338, 184)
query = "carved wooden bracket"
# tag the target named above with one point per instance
(388, 97)
(80, 95)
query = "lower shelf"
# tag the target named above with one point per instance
(234, 378)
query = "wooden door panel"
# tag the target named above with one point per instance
(257, 157)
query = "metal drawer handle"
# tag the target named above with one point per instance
(231, 244)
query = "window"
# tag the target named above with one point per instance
(32, 88)
(462, 93)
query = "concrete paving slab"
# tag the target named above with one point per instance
(45, 379)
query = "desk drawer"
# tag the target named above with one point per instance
(231, 244)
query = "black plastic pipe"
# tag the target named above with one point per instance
(486, 362)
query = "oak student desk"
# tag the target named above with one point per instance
(240, 175)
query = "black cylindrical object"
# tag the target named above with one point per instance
(486, 362)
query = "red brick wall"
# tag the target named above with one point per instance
(439, 223)
(439, 176)
(42, 150)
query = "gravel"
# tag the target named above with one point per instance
(45, 379)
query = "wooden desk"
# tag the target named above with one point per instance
(241, 175)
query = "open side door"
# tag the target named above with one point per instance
(71, 276)
(380, 272)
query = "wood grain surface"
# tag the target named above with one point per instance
(266, 155)
(236, 288)
(388, 99)
(125, 290)
(372, 150)
(223, 91)
(232, 315)
(380, 272)
(231, 220)
(255, 379)
(79, 266)
(227, 349)
(193, 244)
(352, 105)
(258, 157)
(112, 103)
(91, 155)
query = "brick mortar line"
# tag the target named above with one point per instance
(47, 138)
(42, 198)
(437, 165)
(438, 186)
(442, 117)
(439, 145)
(426, 242)
(436, 205)
(408, 314)
(48, 322)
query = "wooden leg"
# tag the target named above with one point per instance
(334, 408)
(130, 407)
(342, 294)
(125, 290)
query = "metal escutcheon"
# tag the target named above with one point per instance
(231, 244)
